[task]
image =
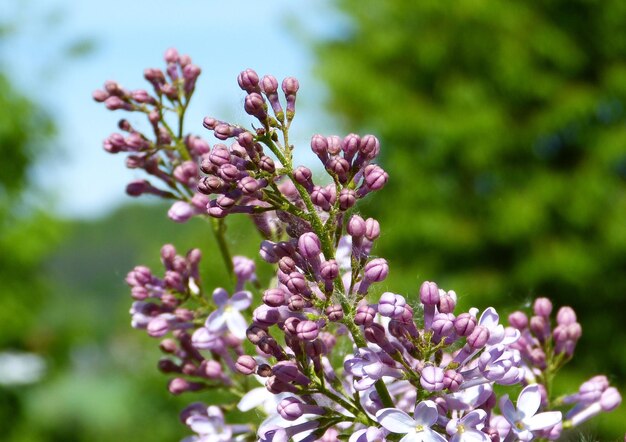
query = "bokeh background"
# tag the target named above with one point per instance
(503, 126)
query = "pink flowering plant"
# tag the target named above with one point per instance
(315, 355)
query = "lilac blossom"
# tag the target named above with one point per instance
(524, 418)
(228, 313)
(468, 428)
(416, 428)
(210, 426)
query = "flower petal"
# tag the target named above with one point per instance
(237, 325)
(508, 410)
(543, 420)
(396, 421)
(220, 296)
(474, 418)
(241, 300)
(529, 400)
(429, 435)
(252, 399)
(426, 413)
(216, 320)
(489, 318)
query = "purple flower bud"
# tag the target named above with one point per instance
(372, 229)
(269, 85)
(429, 293)
(290, 408)
(464, 324)
(356, 226)
(610, 399)
(180, 212)
(391, 305)
(364, 315)
(574, 331)
(319, 146)
(290, 86)
(248, 81)
(228, 172)
(179, 385)
(248, 185)
(246, 364)
(339, 167)
(307, 330)
(447, 302)
(432, 378)
(370, 146)
(100, 95)
(566, 315)
(375, 177)
(479, 337)
(309, 245)
(542, 307)
(316, 348)
(288, 371)
(171, 55)
(267, 164)
(540, 326)
(452, 380)
(255, 106)
(334, 312)
(274, 297)
(321, 197)
(329, 270)
(115, 103)
(443, 324)
(350, 146)
(302, 175)
(158, 326)
(297, 284)
(376, 333)
(376, 270)
(142, 96)
(518, 320)
(255, 334)
(347, 198)
(168, 366)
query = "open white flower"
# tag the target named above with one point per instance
(524, 419)
(417, 428)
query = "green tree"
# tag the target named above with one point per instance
(503, 130)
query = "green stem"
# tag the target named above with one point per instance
(219, 230)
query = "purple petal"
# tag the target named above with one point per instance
(220, 296)
(473, 418)
(543, 420)
(426, 413)
(508, 410)
(529, 400)
(241, 300)
(201, 425)
(489, 318)
(216, 320)
(396, 421)
(429, 435)
(237, 325)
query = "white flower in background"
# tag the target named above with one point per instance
(20, 368)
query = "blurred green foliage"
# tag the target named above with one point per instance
(502, 125)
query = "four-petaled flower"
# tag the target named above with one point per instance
(417, 428)
(467, 428)
(227, 314)
(524, 419)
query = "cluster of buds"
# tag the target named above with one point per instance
(334, 358)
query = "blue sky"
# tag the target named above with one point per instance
(223, 38)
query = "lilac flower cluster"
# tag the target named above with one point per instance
(333, 360)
